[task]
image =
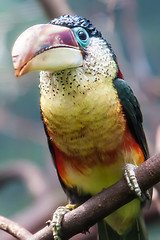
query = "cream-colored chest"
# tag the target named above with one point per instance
(82, 118)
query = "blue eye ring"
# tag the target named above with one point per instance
(82, 36)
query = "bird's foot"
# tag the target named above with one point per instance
(129, 174)
(57, 219)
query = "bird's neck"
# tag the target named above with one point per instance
(99, 65)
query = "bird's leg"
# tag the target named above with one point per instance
(57, 219)
(129, 174)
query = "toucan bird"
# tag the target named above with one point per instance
(91, 116)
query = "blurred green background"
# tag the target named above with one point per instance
(133, 29)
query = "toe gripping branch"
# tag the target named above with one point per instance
(129, 174)
(57, 219)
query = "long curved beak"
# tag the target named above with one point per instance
(45, 47)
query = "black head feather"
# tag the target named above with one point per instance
(76, 21)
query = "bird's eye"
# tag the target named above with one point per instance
(81, 35)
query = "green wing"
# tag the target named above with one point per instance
(137, 232)
(131, 109)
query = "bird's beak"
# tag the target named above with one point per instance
(46, 47)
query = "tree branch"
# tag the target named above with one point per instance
(32, 178)
(104, 203)
(97, 207)
(14, 229)
(55, 8)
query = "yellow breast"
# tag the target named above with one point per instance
(85, 118)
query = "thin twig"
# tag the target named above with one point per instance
(33, 177)
(14, 229)
(55, 8)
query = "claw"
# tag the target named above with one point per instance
(57, 219)
(129, 174)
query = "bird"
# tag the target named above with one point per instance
(92, 119)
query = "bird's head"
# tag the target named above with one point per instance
(67, 42)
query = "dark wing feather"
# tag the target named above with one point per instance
(131, 109)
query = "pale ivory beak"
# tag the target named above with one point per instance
(46, 47)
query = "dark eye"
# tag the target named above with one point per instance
(82, 36)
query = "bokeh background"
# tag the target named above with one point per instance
(29, 189)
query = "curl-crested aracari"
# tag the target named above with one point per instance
(91, 117)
